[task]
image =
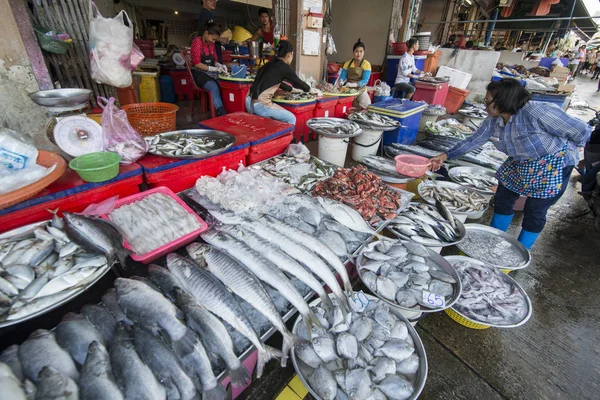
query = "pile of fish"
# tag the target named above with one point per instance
(295, 96)
(403, 273)
(185, 144)
(336, 89)
(334, 127)
(449, 128)
(301, 174)
(474, 112)
(363, 191)
(476, 180)
(49, 262)
(426, 225)
(368, 353)
(491, 249)
(383, 166)
(153, 222)
(373, 119)
(487, 296)
(455, 199)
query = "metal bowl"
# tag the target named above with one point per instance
(304, 371)
(455, 259)
(61, 97)
(437, 259)
(68, 295)
(457, 171)
(515, 245)
(228, 139)
(452, 185)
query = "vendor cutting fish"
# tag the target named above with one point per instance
(541, 141)
(356, 73)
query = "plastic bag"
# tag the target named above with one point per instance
(136, 57)
(119, 135)
(111, 43)
(330, 45)
(558, 62)
(382, 88)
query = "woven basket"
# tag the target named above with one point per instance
(49, 43)
(425, 118)
(150, 119)
(463, 321)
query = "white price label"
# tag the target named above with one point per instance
(359, 301)
(326, 113)
(184, 82)
(433, 300)
(231, 97)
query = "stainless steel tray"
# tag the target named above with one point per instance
(310, 124)
(228, 141)
(304, 370)
(70, 295)
(455, 259)
(452, 185)
(61, 97)
(515, 245)
(456, 171)
(438, 260)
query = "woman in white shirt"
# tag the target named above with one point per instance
(406, 70)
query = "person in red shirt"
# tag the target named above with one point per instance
(206, 68)
(266, 27)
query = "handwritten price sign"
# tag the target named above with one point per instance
(359, 301)
(433, 300)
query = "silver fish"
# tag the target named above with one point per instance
(396, 387)
(323, 383)
(347, 345)
(307, 354)
(21, 271)
(8, 288)
(408, 367)
(397, 349)
(381, 367)
(96, 380)
(325, 348)
(20, 309)
(102, 319)
(10, 356)
(213, 295)
(361, 327)
(41, 349)
(358, 384)
(109, 300)
(75, 333)
(165, 280)
(53, 384)
(346, 216)
(10, 385)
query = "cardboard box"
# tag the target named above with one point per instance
(567, 88)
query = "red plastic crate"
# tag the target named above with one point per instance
(456, 97)
(182, 82)
(269, 149)
(167, 248)
(344, 103)
(302, 112)
(184, 176)
(70, 193)
(234, 95)
(325, 107)
(431, 93)
(375, 76)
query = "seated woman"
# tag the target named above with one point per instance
(205, 66)
(356, 73)
(270, 78)
(406, 70)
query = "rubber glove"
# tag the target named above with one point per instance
(352, 84)
(222, 68)
(212, 69)
(316, 92)
(296, 90)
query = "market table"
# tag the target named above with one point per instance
(70, 193)
(266, 137)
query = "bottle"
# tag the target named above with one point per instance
(276, 35)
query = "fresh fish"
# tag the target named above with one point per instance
(213, 295)
(8, 288)
(96, 236)
(386, 288)
(361, 328)
(185, 144)
(69, 249)
(325, 348)
(22, 271)
(70, 280)
(346, 216)
(56, 222)
(397, 349)
(54, 385)
(396, 387)
(213, 335)
(408, 367)
(39, 253)
(109, 300)
(135, 299)
(347, 346)
(245, 284)
(163, 363)
(96, 380)
(370, 280)
(61, 266)
(335, 242)
(399, 331)
(10, 385)
(262, 269)
(40, 350)
(10, 356)
(75, 333)
(17, 282)
(307, 354)
(58, 234)
(22, 310)
(102, 319)
(382, 366)
(135, 379)
(323, 383)
(358, 384)
(165, 280)
(46, 264)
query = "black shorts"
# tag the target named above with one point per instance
(404, 87)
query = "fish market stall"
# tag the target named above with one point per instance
(334, 136)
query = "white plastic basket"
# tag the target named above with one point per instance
(425, 118)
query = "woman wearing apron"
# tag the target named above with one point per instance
(542, 143)
(206, 69)
(356, 73)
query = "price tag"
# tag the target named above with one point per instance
(433, 300)
(359, 301)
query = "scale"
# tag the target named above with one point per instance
(69, 128)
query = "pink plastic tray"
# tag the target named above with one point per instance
(163, 250)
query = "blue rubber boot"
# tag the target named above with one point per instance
(500, 221)
(527, 238)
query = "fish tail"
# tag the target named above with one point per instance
(289, 340)
(343, 303)
(185, 345)
(240, 376)
(216, 393)
(53, 211)
(326, 301)
(310, 320)
(266, 354)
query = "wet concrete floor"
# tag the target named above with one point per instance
(556, 355)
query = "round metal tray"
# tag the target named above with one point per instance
(456, 171)
(515, 244)
(228, 138)
(452, 185)
(68, 297)
(61, 97)
(311, 121)
(455, 259)
(437, 259)
(374, 126)
(303, 370)
(462, 232)
(301, 101)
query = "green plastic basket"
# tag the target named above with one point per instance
(49, 43)
(96, 167)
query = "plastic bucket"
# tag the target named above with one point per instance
(366, 144)
(333, 150)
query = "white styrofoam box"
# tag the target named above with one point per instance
(458, 79)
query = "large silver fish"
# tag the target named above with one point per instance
(213, 295)
(102, 319)
(53, 384)
(40, 349)
(75, 333)
(96, 380)
(10, 385)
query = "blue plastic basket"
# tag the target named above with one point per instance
(238, 71)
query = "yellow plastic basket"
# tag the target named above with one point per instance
(463, 321)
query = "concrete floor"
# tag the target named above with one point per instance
(556, 355)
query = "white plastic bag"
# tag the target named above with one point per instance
(111, 42)
(382, 88)
(330, 45)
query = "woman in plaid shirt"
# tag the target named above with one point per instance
(542, 143)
